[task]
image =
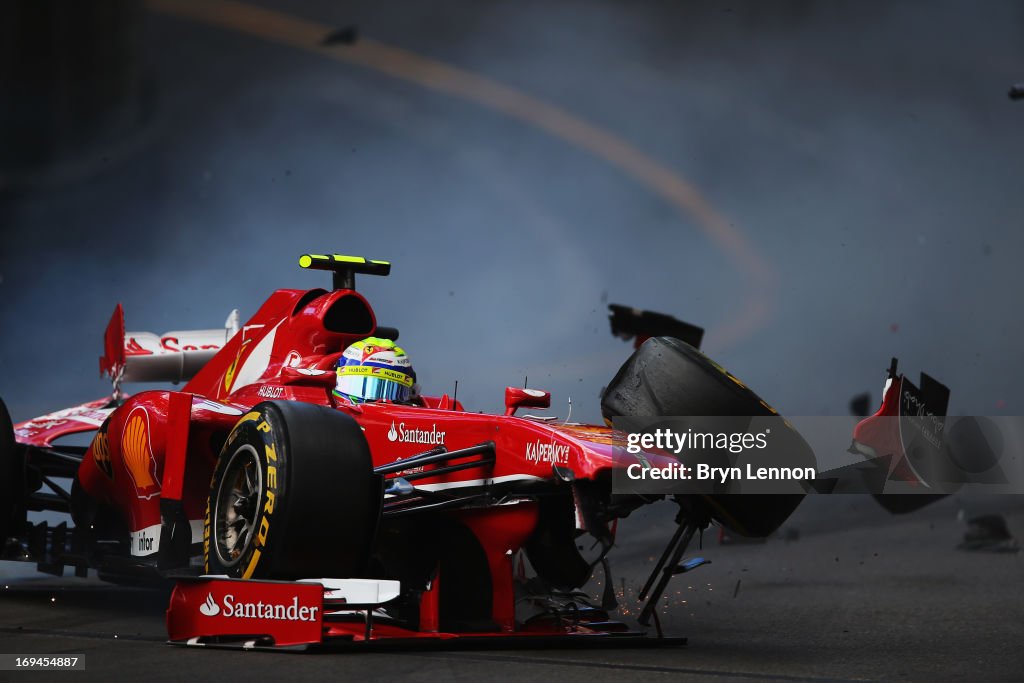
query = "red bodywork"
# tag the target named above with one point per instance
(284, 352)
(153, 455)
(163, 445)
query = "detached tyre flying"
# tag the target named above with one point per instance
(293, 496)
(668, 377)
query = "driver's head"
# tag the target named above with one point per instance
(375, 369)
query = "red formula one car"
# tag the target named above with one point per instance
(292, 515)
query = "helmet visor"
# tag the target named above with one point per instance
(370, 388)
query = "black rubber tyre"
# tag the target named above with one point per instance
(12, 480)
(293, 496)
(668, 377)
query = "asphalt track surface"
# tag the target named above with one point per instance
(862, 596)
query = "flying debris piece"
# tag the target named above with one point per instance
(641, 325)
(690, 565)
(346, 35)
(860, 405)
(1016, 91)
(989, 533)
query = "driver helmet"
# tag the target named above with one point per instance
(375, 369)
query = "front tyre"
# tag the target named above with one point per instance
(293, 496)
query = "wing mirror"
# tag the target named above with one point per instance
(518, 397)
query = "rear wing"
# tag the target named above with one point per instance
(905, 437)
(170, 357)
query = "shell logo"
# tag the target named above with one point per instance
(137, 454)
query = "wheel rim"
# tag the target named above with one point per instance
(239, 496)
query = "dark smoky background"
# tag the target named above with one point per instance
(865, 153)
(822, 185)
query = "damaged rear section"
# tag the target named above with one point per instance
(905, 439)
